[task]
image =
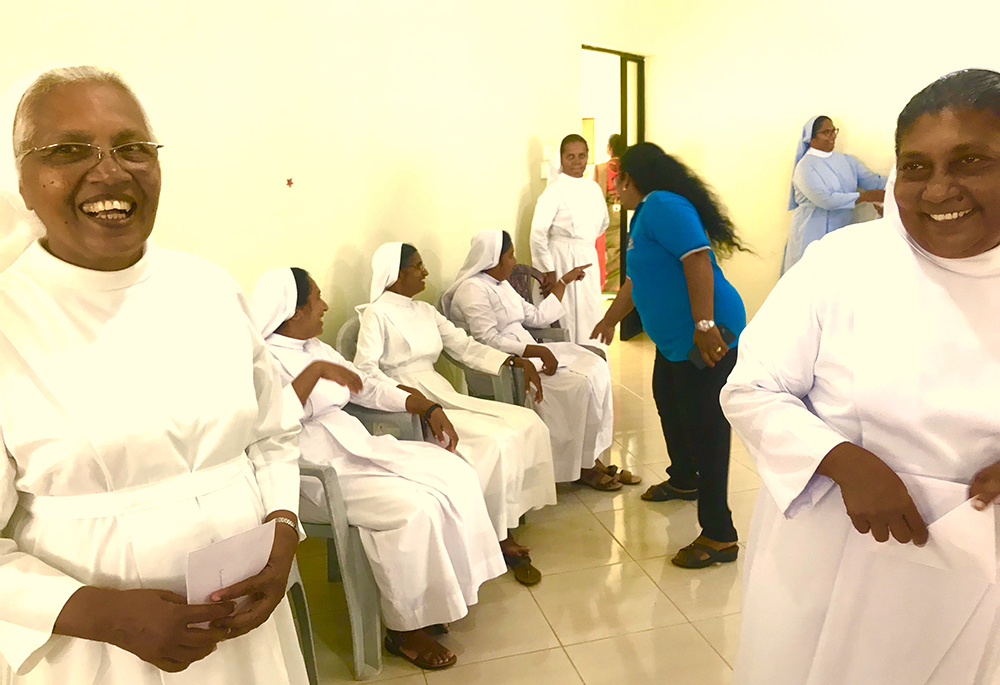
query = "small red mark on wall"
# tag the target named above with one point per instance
(288, 183)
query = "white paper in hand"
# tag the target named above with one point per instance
(227, 562)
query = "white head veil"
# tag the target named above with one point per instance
(484, 254)
(800, 151)
(385, 268)
(273, 300)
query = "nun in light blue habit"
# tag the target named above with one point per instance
(826, 185)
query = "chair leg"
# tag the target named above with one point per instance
(332, 564)
(364, 610)
(300, 614)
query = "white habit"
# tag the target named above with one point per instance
(419, 508)
(141, 416)
(400, 340)
(570, 216)
(870, 339)
(577, 407)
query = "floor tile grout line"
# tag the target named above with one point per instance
(721, 656)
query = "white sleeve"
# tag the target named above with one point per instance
(464, 347)
(541, 222)
(472, 300)
(32, 593)
(765, 397)
(371, 347)
(274, 446)
(546, 313)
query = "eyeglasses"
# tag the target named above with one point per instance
(137, 156)
(828, 132)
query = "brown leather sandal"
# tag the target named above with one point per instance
(600, 481)
(691, 556)
(394, 645)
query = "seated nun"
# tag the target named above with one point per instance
(419, 508)
(509, 446)
(577, 406)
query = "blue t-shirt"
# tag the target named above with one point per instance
(666, 228)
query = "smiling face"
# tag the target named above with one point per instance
(826, 136)
(948, 182)
(574, 159)
(97, 216)
(412, 277)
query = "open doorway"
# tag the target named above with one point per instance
(612, 102)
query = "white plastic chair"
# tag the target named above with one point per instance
(300, 613)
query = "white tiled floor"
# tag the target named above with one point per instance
(611, 608)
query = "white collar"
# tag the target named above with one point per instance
(818, 153)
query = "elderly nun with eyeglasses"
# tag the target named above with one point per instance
(129, 442)
(868, 400)
(826, 186)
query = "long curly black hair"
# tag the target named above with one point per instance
(653, 169)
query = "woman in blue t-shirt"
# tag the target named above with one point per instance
(694, 317)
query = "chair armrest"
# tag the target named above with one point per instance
(327, 475)
(401, 425)
(501, 387)
(544, 335)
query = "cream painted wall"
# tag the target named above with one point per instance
(397, 119)
(600, 88)
(732, 82)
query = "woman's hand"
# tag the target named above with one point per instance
(604, 332)
(876, 499)
(711, 345)
(870, 196)
(442, 429)
(266, 589)
(549, 362)
(547, 281)
(985, 486)
(577, 273)
(155, 625)
(412, 391)
(531, 377)
(341, 375)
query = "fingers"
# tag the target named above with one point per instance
(985, 488)
(205, 613)
(453, 435)
(244, 588)
(917, 526)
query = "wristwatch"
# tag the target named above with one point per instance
(705, 325)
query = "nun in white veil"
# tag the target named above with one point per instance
(577, 407)
(399, 342)
(419, 509)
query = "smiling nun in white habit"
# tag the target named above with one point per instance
(140, 419)
(866, 393)
(570, 215)
(400, 340)
(419, 508)
(577, 406)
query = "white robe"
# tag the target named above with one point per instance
(141, 416)
(873, 341)
(570, 215)
(577, 407)
(509, 446)
(419, 508)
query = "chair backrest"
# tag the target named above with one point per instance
(347, 338)
(521, 277)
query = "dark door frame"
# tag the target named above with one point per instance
(631, 326)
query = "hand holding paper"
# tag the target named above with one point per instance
(228, 569)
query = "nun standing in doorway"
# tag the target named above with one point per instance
(826, 186)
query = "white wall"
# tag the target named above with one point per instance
(732, 82)
(397, 119)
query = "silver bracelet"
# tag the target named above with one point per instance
(290, 522)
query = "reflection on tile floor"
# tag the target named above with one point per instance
(611, 608)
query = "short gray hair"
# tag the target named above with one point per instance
(24, 124)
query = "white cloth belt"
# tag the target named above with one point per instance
(572, 241)
(420, 365)
(106, 504)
